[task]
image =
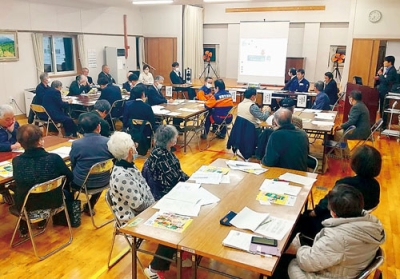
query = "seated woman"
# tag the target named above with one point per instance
(366, 162)
(55, 106)
(130, 193)
(146, 77)
(162, 171)
(35, 166)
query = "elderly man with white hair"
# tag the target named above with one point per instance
(78, 86)
(129, 190)
(8, 129)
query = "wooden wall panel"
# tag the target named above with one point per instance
(161, 53)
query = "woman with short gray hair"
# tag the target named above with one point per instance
(129, 191)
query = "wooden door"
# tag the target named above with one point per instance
(364, 59)
(161, 53)
(293, 62)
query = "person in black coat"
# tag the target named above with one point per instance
(154, 94)
(176, 78)
(138, 109)
(111, 93)
(35, 166)
(386, 80)
(78, 86)
(293, 78)
(331, 88)
(85, 72)
(55, 106)
(105, 73)
(366, 162)
(41, 88)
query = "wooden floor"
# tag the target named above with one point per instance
(87, 256)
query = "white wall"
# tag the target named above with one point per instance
(310, 34)
(27, 16)
(393, 48)
(164, 21)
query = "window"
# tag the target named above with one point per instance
(59, 54)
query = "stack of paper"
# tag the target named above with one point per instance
(159, 109)
(62, 151)
(211, 175)
(186, 199)
(297, 178)
(249, 219)
(277, 192)
(325, 116)
(246, 166)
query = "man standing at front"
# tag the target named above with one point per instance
(287, 146)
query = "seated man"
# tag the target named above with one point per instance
(250, 111)
(8, 129)
(346, 245)
(219, 105)
(101, 108)
(293, 78)
(105, 73)
(55, 106)
(331, 88)
(301, 84)
(154, 94)
(78, 86)
(322, 101)
(138, 109)
(359, 117)
(41, 88)
(205, 91)
(289, 104)
(134, 80)
(111, 93)
(176, 78)
(85, 72)
(287, 146)
(128, 84)
(87, 151)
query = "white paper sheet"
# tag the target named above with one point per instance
(225, 179)
(185, 191)
(62, 151)
(298, 109)
(275, 228)
(207, 197)
(325, 116)
(279, 187)
(189, 110)
(238, 240)
(248, 219)
(297, 178)
(301, 101)
(173, 113)
(312, 110)
(206, 177)
(178, 207)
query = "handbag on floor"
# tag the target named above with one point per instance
(74, 212)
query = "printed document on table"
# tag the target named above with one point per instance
(174, 113)
(238, 240)
(62, 151)
(206, 197)
(178, 207)
(185, 191)
(206, 177)
(279, 187)
(246, 167)
(297, 178)
(275, 228)
(249, 219)
(325, 116)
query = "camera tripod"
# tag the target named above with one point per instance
(336, 71)
(207, 68)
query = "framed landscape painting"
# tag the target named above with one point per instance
(8, 46)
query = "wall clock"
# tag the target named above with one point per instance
(375, 16)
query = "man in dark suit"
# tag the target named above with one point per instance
(41, 88)
(138, 109)
(101, 108)
(79, 86)
(55, 106)
(85, 72)
(105, 73)
(331, 88)
(300, 84)
(111, 93)
(386, 79)
(293, 78)
(134, 81)
(322, 100)
(359, 117)
(154, 95)
(176, 78)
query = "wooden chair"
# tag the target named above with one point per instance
(37, 110)
(24, 214)
(98, 168)
(374, 266)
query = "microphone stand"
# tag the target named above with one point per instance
(151, 67)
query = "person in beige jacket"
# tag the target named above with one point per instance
(345, 246)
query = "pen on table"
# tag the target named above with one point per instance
(280, 180)
(265, 222)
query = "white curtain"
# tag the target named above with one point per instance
(81, 51)
(37, 41)
(142, 54)
(193, 40)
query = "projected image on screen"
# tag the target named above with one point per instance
(263, 57)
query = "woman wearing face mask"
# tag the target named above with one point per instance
(129, 190)
(146, 77)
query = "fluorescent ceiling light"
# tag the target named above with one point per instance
(152, 2)
(224, 1)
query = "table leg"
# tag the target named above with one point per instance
(134, 259)
(184, 135)
(178, 264)
(324, 152)
(194, 266)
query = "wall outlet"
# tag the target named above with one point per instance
(11, 100)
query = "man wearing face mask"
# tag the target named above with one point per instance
(205, 91)
(247, 109)
(176, 78)
(154, 95)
